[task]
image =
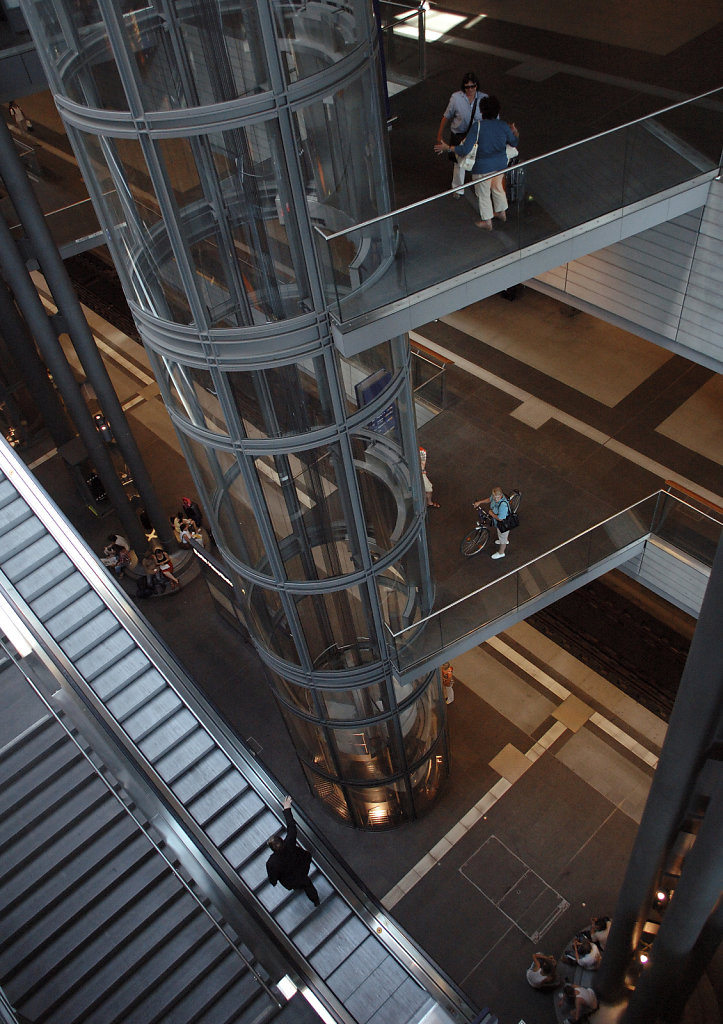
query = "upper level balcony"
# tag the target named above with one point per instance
(393, 273)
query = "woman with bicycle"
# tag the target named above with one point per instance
(499, 510)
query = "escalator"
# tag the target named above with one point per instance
(97, 926)
(210, 808)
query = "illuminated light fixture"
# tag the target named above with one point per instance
(378, 813)
(661, 899)
(287, 988)
(14, 629)
(643, 958)
(437, 24)
(205, 561)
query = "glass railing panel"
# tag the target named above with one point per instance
(404, 42)
(368, 267)
(554, 568)
(689, 529)
(419, 247)
(480, 608)
(432, 393)
(617, 533)
(571, 187)
(429, 384)
(418, 643)
(658, 158)
(66, 223)
(72, 223)
(683, 526)
(530, 582)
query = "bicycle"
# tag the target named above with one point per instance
(476, 539)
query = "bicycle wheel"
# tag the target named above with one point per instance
(474, 541)
(515, 499)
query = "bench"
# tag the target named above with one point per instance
(573, 974)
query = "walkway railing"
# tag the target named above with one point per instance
(420, 246)
(404, 35)
(691, 530)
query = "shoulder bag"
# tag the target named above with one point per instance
(511, 521)
(467, 162)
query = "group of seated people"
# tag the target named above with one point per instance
(186, 529)
(586, 952)
(158, 569)
(588, 946)
(117, 555)
(187, 524)
(156, 563)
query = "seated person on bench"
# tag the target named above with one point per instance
(585, 953)
(582, 1001)
(599, 931)
(542, 972)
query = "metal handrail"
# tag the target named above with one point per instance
(523, 163)
(7, 1011)
(696, 497)
(127, 808)
(570, 540)
(348, 885)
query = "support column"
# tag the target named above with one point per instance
(696, 896)
(33, 372)
(15, 272)
(46, 252)
(694, 723)
(705, 949)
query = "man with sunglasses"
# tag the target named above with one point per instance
(462, 109)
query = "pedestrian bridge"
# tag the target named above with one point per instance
(667, 541)
(393, 273)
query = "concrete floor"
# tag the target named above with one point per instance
(550, 763)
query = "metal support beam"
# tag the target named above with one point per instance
(16, 274)
(695, 720)
(35, 377)
(696, 896)
(64, 296)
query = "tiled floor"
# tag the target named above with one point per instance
(550, 763)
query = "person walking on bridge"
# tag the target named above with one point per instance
(492, 137)
(462, 110)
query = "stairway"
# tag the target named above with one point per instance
(162, 735)
(97, 928)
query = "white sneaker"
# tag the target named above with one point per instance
(499, 554)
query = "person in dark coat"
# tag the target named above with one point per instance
(192, 511)
(289, 863)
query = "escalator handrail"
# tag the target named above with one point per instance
(414, 960)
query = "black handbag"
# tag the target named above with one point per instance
(509, 523)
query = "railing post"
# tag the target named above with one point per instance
(659, 510)
(421, 38)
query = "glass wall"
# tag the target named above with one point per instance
(214, 138)
(376, 766)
